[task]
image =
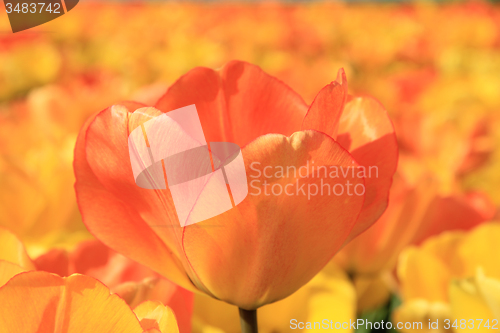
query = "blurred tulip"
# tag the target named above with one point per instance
(134, 283)
(13, 256)
(40, 301)
(37, 139)
(240, 104)
(18, 71)
(413, 215)
(476, 298)
(131, 281)
(434, 276)
(425, 200)
(35, 203)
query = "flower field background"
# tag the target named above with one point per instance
(434, 67)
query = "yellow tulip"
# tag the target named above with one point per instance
(443, 279)
(475, 298)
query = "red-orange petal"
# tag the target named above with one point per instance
(325, 111)
(113, 208)
(238, 103)
(366, 131)
(460, 212)
(54, 261)
(95, 259)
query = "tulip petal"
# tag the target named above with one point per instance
(333, 297)
(21, 199)
(325, 111)
(378, 247)
(180, 300)
(154, 315)
(54, 261)
(277, 242)
(366, 131)
(94, 259)
(131, 281)
(459, 212)
(238, 103)
(423, 275)
(44, 302)
(477, 297)
(108, 136)
(8, 270)
(113, 207)
(12, 250)
(481, 248)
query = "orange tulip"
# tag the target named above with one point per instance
(268, 246)
(45, 302)
(133, 282)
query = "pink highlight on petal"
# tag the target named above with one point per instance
(171, 149)
(238, 185)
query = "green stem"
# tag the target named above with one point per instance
(248, 321)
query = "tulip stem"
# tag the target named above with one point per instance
(248, 321)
